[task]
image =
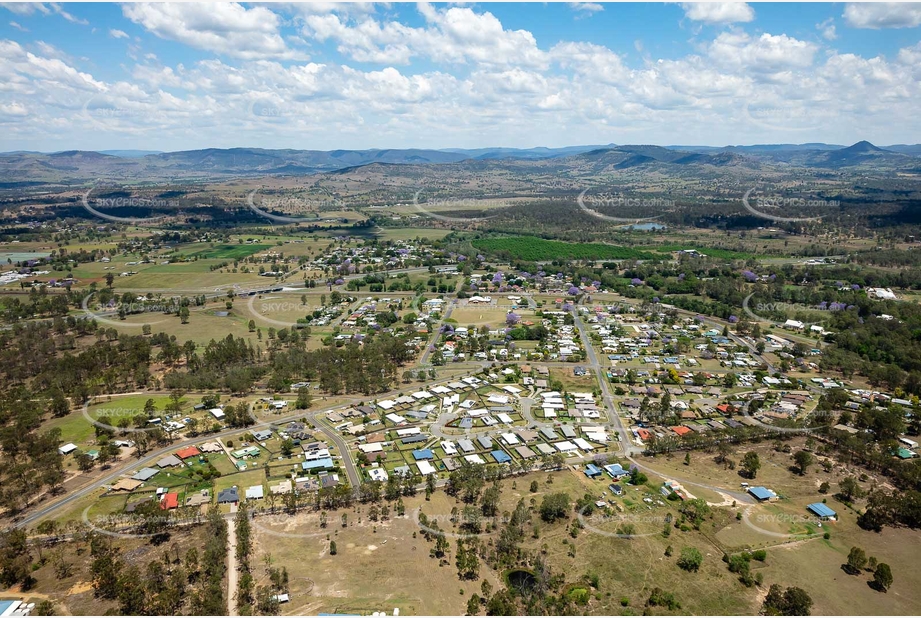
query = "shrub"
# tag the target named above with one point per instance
(690, 559)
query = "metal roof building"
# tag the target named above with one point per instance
(762, 493)
(501, 456)
(821, 510)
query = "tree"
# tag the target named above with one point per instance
(489, 502)
(501, 604)
(533, 487)
(856, 560)
(554, 507)
(803, 460)
(750, 464)
(332, 548)
(882, 577)
(790, 602)
(473, 605)
(690, 559)
(304, 400)
(849, 489)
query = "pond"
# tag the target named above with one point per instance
(21, 256)
(520, 580)
(646, 227)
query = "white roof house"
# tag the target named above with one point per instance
(377, 474)
(217, 413)
(881, 293)
(425, 468)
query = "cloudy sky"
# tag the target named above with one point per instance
(326, 76)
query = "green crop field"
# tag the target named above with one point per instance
(532, 249)
(230, 252)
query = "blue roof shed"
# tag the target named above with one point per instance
(821, 510)
(325, 463)
(616, 471)
(501, 456)
(762, 493)
(591, 471)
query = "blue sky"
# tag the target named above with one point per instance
(325, 76)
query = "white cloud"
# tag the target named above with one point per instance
(26, 8)
(455, 35)
(53, 8)
(765, 54)
(448, 80)
(883, 15)
(586, 7)
(13, 110)
(222, 28)
(342, 8)
(71, 18)
(18, 26)
(827, 28)
(718, 12)
(118, 34)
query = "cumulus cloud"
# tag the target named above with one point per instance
(118, 34)
(455, 35)
(718, 12)
(223, 28)
(586, 7)
(26, 8)
(447, 79)
(53, 8)
(765, 54)
(827, 29)
(883, 15)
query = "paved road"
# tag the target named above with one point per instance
(133, 464)
(436, 333)
(341, 446)
(626, 437)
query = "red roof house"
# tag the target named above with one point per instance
(189, 451)
(169, 501)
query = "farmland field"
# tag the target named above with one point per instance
(535, 249)
(230, 252)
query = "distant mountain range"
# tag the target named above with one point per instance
(77, 166)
